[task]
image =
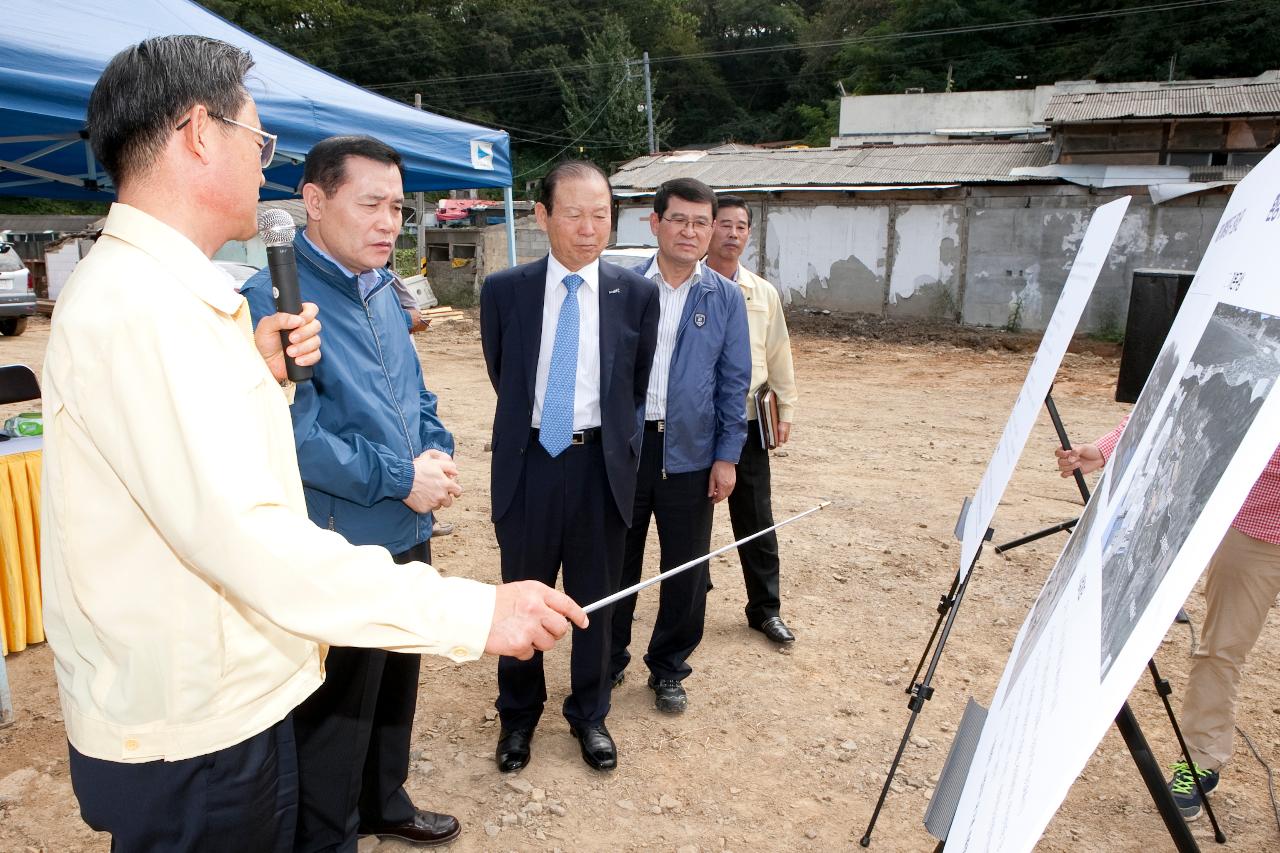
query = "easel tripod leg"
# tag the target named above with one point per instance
(922, 691)
(1163, 689)
(1152, 776)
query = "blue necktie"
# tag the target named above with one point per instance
(555, 432)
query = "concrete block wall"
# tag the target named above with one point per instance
(981, 255)
(531, 244)
(454, 286)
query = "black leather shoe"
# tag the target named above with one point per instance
(427, 829)
(617, 680)
(513, 749)
(775, 629)
(598, 749)
(669, 697)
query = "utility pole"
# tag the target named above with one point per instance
(420, 201)
(648, 104)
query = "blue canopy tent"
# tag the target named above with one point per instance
(53, 51)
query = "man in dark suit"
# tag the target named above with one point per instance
(568, 341)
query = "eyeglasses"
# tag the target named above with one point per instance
(267, 152)
(682, 222)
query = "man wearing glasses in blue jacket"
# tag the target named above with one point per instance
(695, 426)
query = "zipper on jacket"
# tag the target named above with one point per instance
(391, 392)
(675, 348)
(662, 431)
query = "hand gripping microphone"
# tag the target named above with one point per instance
(277, 229)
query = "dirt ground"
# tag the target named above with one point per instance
(780, 749)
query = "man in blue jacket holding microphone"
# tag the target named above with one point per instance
(375, 461)
(695, 426)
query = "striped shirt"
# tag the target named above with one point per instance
(1259, 515)
(671, 302)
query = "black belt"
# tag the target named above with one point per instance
(590, 435)
(655, 426)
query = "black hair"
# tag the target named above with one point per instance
(735, 201)
(689, 189)
(567, 170)
(326, 164)
(136, 102)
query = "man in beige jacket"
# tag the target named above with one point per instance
(188, 599)
(750, 505)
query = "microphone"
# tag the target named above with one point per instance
(277, 229)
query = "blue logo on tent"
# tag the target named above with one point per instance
(481, 154)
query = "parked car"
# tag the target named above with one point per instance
(238, 271)
(627, 256)
(17, 293)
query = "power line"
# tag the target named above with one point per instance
(539, 36)
(594, 119)
(539, 134)
(1176, 5)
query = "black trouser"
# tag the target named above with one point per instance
(563, 514)
(750, 510)
(680, 505)
(353, 742)
(244, 797)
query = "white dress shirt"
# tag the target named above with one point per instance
(586, 390)
(671, 302)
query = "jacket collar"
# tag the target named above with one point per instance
(703, 276)
(176, 253)
(328, 269)
(748, 280)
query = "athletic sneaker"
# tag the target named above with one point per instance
(1184, 790)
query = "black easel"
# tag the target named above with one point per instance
(1128, 724)
(922, 691)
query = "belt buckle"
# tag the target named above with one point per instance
(662, 425)
(577, 438)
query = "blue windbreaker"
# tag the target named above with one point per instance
(366, 415)
(709, 378)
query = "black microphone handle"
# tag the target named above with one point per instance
(284, 286)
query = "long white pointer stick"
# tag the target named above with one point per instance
(632, 590)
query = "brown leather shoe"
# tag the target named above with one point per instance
(427, 829)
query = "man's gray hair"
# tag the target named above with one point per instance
(568, 170)
(137, 102)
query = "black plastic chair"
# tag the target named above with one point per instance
(18, 383)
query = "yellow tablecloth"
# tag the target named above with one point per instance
(20, 550)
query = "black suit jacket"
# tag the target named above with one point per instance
(511, 334)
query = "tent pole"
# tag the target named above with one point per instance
(510, 207)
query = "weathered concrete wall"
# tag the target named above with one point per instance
(1020, 251)
(988, 256)
(915, 117)
(925, 278)
(828, 256)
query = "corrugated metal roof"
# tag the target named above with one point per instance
(983, 162)
(44, 223)
(1169, 101)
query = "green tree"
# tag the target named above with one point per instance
(604, 102)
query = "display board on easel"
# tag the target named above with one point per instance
(1200, 434)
